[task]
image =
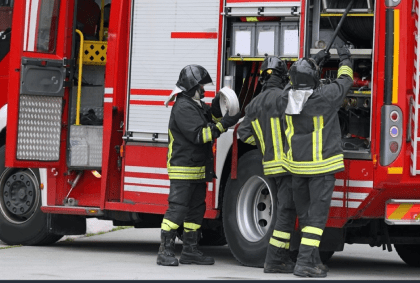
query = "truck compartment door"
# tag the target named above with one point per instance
(165, 37)
(38, 70)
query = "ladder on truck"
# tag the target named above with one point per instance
(414, 103)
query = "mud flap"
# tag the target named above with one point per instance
(66, 224)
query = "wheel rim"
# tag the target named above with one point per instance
(19, 195)
(254, 209)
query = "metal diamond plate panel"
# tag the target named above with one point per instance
(39, 128)
(87, 141)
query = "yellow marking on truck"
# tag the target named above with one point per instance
(396, 55)
(395, 170)
(401, 211)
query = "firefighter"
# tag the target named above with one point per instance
(313, 149)
(193, 126)
(262, 125)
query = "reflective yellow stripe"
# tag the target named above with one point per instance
(180, 169)
(317, 138)
(258, 131)
(207, 137)
(396, 56)
(279, 244)
(250, 140)
(282, 235)
(310, 242)
(251, 19)
(400, 211)
(217, 120)
(174, 176)
(220, 127)
(191, 226)
(276, 134)
(345, 70)
(186, 173)
(314, 171)
(312, 230)
(171, 142)
(311, 164)
(168, 225)
(273, 171)
(289, 134)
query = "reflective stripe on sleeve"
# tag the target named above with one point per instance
(345, 70)
(250, 140)
(220, 127)
(207, 136)
(258, 131)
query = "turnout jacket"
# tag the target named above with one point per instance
(313, 137)
(262, 126)
(190, 156)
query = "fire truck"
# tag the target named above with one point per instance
(86, 126)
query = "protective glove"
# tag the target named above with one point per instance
(215, 106)
(320, 56)
(343, 52)
(229, 121)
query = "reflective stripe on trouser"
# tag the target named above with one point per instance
(312, 197)
(188, 227)
(186, 203)
(168, 225)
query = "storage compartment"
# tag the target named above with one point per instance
(357, 34)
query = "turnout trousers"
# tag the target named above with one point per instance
(286, 211)
(312, 197)
(186, 202)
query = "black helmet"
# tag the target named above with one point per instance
(191, 77)
(274, 64)
(304, 74)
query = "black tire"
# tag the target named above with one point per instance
(410, 254)
(248, 234)
(29, 228)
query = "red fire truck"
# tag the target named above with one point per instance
(87, 126)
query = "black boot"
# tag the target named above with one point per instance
(278, 260)
(166, 255)
(309, 271)
(316, 258)
(190, 253)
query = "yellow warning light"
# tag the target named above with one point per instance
(41, 186)
(96, 174)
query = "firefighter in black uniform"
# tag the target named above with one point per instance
(313, 149)
(193, 126)
(262, 125)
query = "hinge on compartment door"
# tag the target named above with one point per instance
(294, 11)
(68, 62)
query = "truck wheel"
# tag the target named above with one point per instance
(248, 211)
(21, 220)
(410, 254)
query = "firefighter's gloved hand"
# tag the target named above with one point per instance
(320, 56)
(215, 106)
(229, 121)
(215, 131)
(343, 52)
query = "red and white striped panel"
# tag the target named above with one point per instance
(145, 175)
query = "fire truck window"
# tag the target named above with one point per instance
(41, 26)
(6, 13)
